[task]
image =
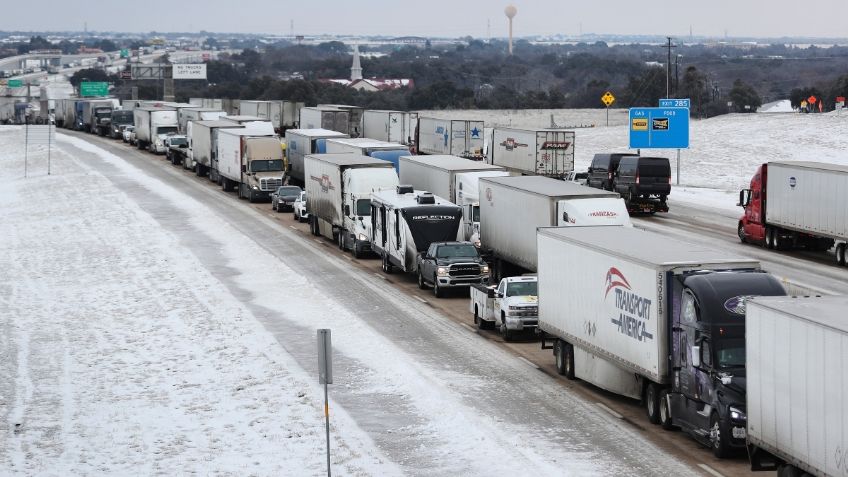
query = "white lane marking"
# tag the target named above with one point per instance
(420, 299)
(529, 363)
(347, 258)
(607, 409)
(470, 328)
(379, 275)
(319, 241)
(292, 227)
(710, 470)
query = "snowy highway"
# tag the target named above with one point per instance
(155, 322)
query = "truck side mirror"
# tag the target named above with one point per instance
(244, 168)
(744, 197)
(696, 356)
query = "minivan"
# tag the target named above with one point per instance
(602, 170)
(644, 177)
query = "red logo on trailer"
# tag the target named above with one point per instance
(615, 279)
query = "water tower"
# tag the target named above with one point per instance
(510, 12)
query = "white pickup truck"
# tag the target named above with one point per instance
(513, 305)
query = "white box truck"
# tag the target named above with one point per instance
(650, 317)
(339, 189)
(387, 151)
(251, 162)
(544, 152)
(186, 115)
(454, 178)
(511, 208)
(797, 204)
(455, 137)
(797, 383)
(282, 114)
(203, 144)
(390, 126)
(323, 117)
(152, 125)
(302, 142)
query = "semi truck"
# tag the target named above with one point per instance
(282, 114)
(799, 204)
(332, 118)
(454, 178)
(339, 189)
(203, 145)
(387, 151)
(152, 125)
(649, 317)
(302, 142)
(119, 120)
(94, 115)
(456, 137)
(405, 221)
(355, 114)
(390, 126)
(511, 208)
(797, 413)
(187, 115)
(250, 162)
(544, 152)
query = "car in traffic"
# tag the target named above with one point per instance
(300, 213)
(451, 265)
(601, 174)
(284, 197)
(130, 136)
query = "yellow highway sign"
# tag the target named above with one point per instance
(608, 99)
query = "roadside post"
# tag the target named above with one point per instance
(665, 127)
(608, 99)
(325, 377)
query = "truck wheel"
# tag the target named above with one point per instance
(840, 254)
(740, 231)
(665, 413)
(477, 321)
(652, 402)
(387, 266)
(564, 356)
(197, 170)
(437, 290)
(341, 240)
(356, 250)
(718, 437)
(423, 286)
(251, 197)
(769, 238)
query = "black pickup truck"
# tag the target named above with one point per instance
(177, 149)
(451, 265)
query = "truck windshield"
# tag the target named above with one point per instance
(363, 207)
(730, 353)
(166, 130)
(178, 141)
(458, 250)
(522, 289)
(272, 165)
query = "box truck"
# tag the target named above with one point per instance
(332, 118)
(650, 317)
(454, 178)
(339, 188)
(544, 152)
(203, 145)
(282, 114)
(797, 205)
(355, 114)
(186, 115)
(404, 222)
(455, 137)
(797, 411)
(390, 126)
(250, 162)
(387, 151)
(302, 142)
(152, 125)
(511, 208)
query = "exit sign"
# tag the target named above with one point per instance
(15, 83)
(94, 88)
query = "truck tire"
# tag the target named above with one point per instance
(740, 232)
(197, 170)
(423, 286)
(477, 321)
(652, 402)
(356, 250)
(718, 437)
(769, 238)
(507, 334)
(387, 265)
(840, 254)
(341, 240)
(438, 291)
(665, 412)
(564, 357)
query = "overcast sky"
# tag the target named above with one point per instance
(451, 18)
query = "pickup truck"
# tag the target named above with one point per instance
(513, 305)
(451, 265)
(176, 149)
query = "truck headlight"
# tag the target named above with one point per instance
(477, 243)
(442, 271)
(737, 415)
(484, 269)
(362, 237)
(255, 187)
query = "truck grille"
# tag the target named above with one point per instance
(527, 311)
(464, 270)
(270, 184)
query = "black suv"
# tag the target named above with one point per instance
(602, 169)
(643, 177)
(451, 265)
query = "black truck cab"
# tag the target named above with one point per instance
(707, 394)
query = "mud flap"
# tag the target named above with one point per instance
(762, 460)
(545, 339)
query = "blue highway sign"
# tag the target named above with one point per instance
(659, 128)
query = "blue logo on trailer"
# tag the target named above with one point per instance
(659, 128)
(475, 133)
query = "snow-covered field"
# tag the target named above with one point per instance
(121, 355)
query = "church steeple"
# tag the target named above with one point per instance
(356, 69)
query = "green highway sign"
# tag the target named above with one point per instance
(94, 88)
(15, 83)
(125, 53)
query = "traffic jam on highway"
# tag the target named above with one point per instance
(707, 342)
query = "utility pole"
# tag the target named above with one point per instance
(668, 69)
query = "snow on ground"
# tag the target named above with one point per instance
(781, 106)
(120, 354)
